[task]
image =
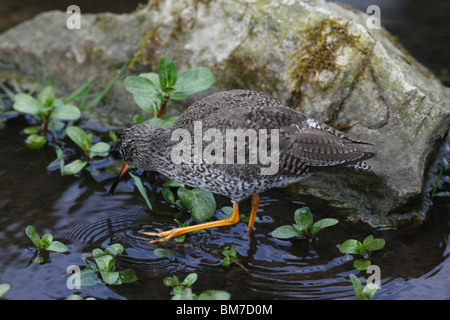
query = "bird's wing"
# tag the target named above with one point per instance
(304, 143)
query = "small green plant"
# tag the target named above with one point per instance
(182, 290)
(84, 141)
(304, 226)
(201, 204)
(365, 248)
(361, 293)
(4, 288)
(230, 256)
(152, 92)
(44, 244)
(102, 264)
(48, 112)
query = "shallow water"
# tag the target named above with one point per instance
(78, 211)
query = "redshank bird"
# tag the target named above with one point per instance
(222, 144)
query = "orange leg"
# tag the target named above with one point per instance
(255, 204)
(166, 235)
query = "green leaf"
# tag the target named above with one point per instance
(60, 156)
(150, 103)
(361, 264)
(167, 72)
(30, 231)
(140, 85)
(110, 277)
(357, 287)
(100, 147)
(32, 129)
(57, 246)
(55, 125)
(369, 291)
(189, 280)
(103, 261)
(127, 276)
(97, 253)
(227, 210)
(350, 246)
(74, 167)
(46, 240)
(322, 224)
(66, 112)
(303, 218)
(158, 122)
(171, 281)
(141, 189)
(27, 104)
(367, 241)
(286, 232)
(171, 183)
(79, 137)
(374, 244)
(3, 288)
(168, 195)
(214, 295)
(73, 297)
(153, 77)
(201, 203)
(192, 81)
(47, 97)
(35, 141)
(137, 119)
(113, 136)
(88, 277)
(226, 261)
(115, 249)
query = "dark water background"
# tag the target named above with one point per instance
(77, 211)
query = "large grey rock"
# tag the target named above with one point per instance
(315, 56)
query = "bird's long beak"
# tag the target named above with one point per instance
(122, 171)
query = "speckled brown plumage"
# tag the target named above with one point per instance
(305, 145)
